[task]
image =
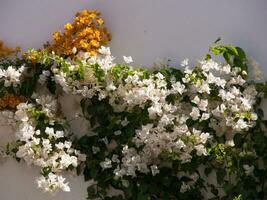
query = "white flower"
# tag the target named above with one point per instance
(11, 76)
(254, 116)
(154, 170)
(204, 137)
(125, 183)
(48, 103)
(128, 59)
(178, 87)
(49, 131)
(47, 145)
(248, 169)
(187, 72)
(185, 187)
(205, 116)
(104, 51)
(106, 164)
(202, 105)
(59, 134)
(204, 88)
(67, 160)
(226, 69)
(43, 77)
(60, 145)
(216, 80)
(159, 76)
(25, 132)
(124, 122)
(184, 63)
(207, 65)
(195, 114)
(67, 144)
(201, 150)
(2, 73)
(196, 100)
(241, 124)
(180, 144)
(62, 185)
(115, 158)
(230, 143)
(118, 132)
(74, 50)
(154, 111)
(111, 87)
(95, 149)
(22, 112)
(52, 183)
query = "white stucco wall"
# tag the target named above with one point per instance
(147, 30)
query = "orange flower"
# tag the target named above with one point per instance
(86, 33)
(5, 51)
(10, 101)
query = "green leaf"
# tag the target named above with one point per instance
(238, 140)
(207, 171)
(227, 57)
(214, 190)
(231, 50)
(227, 188)
(92, 193)
(221, 173)
(241, 53)
(51, 85)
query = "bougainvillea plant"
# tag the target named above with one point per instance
(178, 133)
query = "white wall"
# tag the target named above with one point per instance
(147, 30)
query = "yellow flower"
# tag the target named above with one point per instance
(68, 27)
(56, 36)
(100, 21)
(86, 33)
(94, 43)
(84, 44)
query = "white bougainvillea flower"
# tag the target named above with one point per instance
(127, 59)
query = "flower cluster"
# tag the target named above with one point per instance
(42, 140)
(10, 101)
(233, 108)
(5, 51)
(86, 34)
(11, 76)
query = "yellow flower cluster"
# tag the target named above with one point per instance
(86, 33)
(10, 101)
(5, 51)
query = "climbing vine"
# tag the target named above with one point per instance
(185, 132)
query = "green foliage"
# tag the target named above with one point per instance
(234, 56)
(28, 85)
